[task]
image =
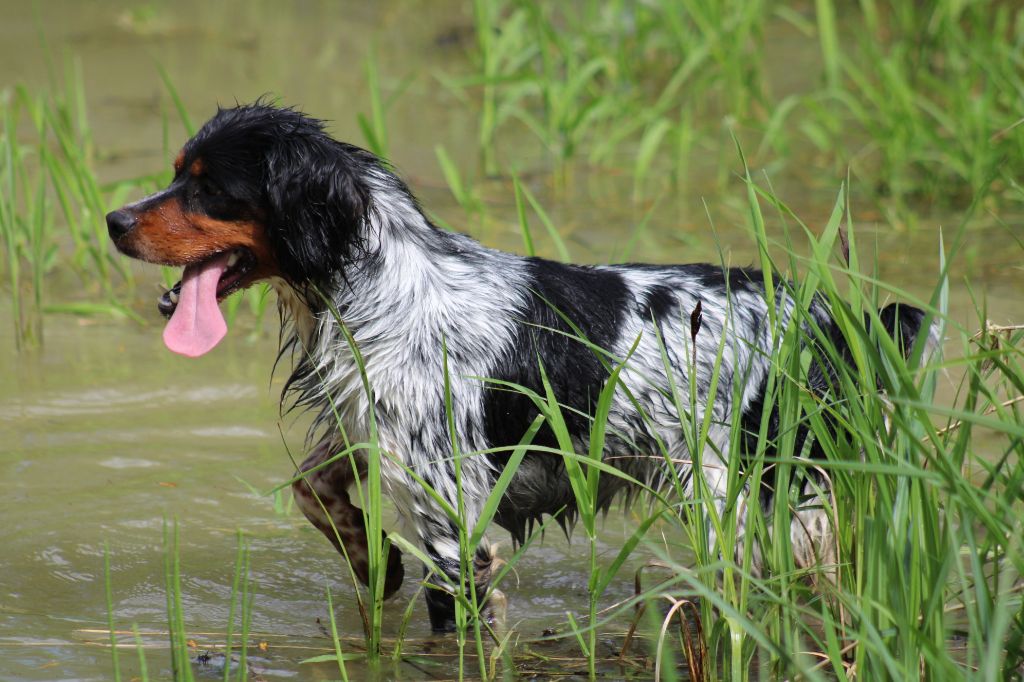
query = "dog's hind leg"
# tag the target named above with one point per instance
(322, 495)
(813, 540)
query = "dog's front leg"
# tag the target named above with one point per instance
(440, 597)
(322, 495)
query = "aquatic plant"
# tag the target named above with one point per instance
(184, 651)
(927, 546)
(936, 101)
(920, 99)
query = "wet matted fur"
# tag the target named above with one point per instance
(268, 195)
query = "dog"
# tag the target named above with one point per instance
(263, 193)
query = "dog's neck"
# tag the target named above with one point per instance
(395, 250)
(416, 289)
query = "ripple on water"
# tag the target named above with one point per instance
(230, 431)
(62, 567)
(127, 463)
(115, 400)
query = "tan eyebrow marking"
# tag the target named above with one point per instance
(196, 168)
(179, 161)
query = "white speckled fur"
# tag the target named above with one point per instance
(426, 290)
(419, 298)
(401, 318)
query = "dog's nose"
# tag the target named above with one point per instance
(119, 223)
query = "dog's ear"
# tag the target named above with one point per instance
(319, 204)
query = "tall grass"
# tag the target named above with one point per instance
(584, 472)
(54, 172)
(925, 558)
(25, 222)
(928, 556)
(921, 98)
(52, 207)
(937, 101)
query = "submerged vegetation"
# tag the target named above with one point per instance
(919, 101)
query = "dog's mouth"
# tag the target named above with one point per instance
(196, 324)
(240, 263)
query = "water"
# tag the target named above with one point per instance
(106, 436)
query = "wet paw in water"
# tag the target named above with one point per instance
(496, 610)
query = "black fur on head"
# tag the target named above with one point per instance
(310, 188)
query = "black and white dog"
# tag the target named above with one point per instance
(263, 193)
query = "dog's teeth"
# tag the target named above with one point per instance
(232, 259)
(173, 296)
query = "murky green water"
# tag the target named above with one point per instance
(104, 435)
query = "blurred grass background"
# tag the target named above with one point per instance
(616, 114)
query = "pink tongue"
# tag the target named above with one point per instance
(197, 324)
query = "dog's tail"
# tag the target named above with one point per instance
(905, 324)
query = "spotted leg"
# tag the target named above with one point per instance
(440, 599)
(813, 537)
(323, 497)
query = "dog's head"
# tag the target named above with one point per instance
(259, 192)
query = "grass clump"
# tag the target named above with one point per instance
(937, 102)
(43, 182)
(921, 576)
(185, 653)
(922, 98)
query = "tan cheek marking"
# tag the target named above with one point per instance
(167, 234)
(251, 235)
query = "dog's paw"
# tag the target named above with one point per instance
(496, 609)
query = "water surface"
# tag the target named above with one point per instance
(105, 436)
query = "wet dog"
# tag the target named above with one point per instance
(262, 193)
